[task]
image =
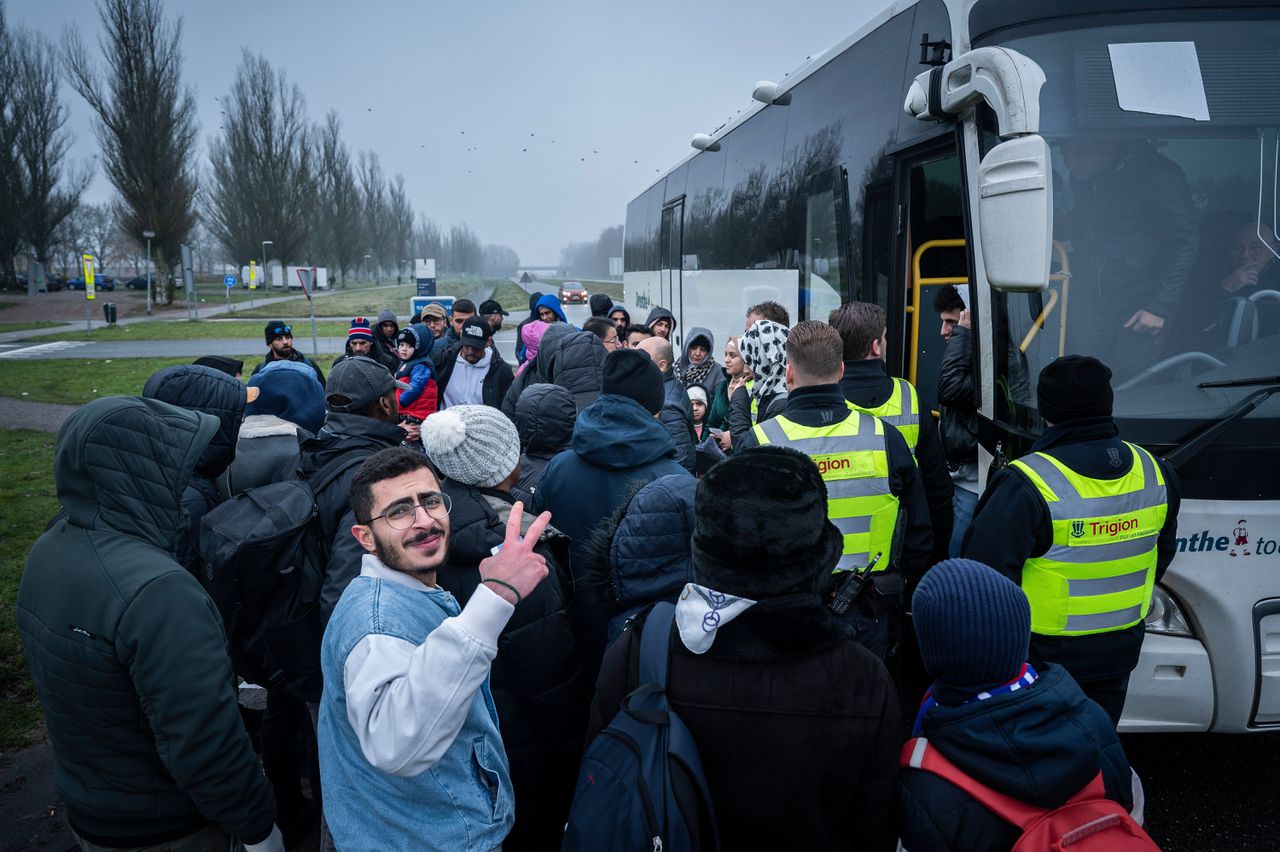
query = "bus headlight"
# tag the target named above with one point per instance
(1165, 616)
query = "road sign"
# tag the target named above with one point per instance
(89, 289)
(253, 275)
(230, 281)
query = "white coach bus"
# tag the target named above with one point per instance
(1081, 166)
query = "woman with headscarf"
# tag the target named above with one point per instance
(764, 352)
(697, 365)
(733, 375)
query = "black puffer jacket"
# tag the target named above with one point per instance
(537, 680)
(644, 553)
(211, 392)
(544, 418)
(1040, 745)
(126, 650)
(576, 365)
(785, 701)
(497, 381)
(538, 370)
(677, 418)
(356, 438)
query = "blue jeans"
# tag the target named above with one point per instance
(962, 503)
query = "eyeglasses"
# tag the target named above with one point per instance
(401, 515)
(615, 342)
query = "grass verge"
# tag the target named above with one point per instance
(363, 302)
(26, 326)
(27, 501)
(221, 329)
(75, 382)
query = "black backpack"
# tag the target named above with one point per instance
(262, 556)
(641, 785)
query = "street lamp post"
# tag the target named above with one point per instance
(149, 235)
(265, 243)
(367, 266)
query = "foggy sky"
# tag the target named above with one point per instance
(421, 82)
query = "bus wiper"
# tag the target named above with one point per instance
(1241, 383)
(1193, 446)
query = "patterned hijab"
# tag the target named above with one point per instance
(764, 349)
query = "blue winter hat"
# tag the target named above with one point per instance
(973, 625)
(290, 391)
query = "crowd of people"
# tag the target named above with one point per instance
(488, 541)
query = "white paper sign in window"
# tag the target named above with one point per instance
(1160, 78)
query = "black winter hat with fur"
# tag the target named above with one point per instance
(761, 529)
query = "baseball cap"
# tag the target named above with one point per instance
(475, 333)
(490, 306)
(435, 309)
(356, 382)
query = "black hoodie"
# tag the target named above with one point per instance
(544, 418)
(212, 392)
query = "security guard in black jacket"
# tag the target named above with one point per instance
(1087, 524)
(857, 456)
(868, 385)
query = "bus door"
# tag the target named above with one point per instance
(670, 287)
(930, 253)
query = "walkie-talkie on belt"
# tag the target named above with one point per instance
(851, 586)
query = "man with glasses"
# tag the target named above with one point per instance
(605, 330)
(279, 336)
(407, 726)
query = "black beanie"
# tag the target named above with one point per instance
(761, 530)
(630, 373)
(973, 625)
(1073, 388)
(275, 329)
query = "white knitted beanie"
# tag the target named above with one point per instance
(472, 444)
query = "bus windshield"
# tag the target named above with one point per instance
(1166, 147)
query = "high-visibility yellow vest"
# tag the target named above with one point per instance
(854, 462)
(755, 403)
(901, 409)
(1098, 573)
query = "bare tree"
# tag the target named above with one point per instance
(377, 214)
(49, 192)
(400, 223)
(340, 203)
(263, 172)
(465, 254)
(10, 185)
(146, 122)
(500, 261)
(427, 239)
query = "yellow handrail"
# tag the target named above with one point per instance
(1039, 323)
(916, 283)
(1064, 275)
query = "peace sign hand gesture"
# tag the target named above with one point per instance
(515, 570)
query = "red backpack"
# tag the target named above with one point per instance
(1087, 822)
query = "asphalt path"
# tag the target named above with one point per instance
(99, 350)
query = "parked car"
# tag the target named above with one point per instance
(138, 282)
(54, 283)
(573, 291)
(100, 282)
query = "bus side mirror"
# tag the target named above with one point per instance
(1015, 214)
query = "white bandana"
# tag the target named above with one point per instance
(700, 612)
